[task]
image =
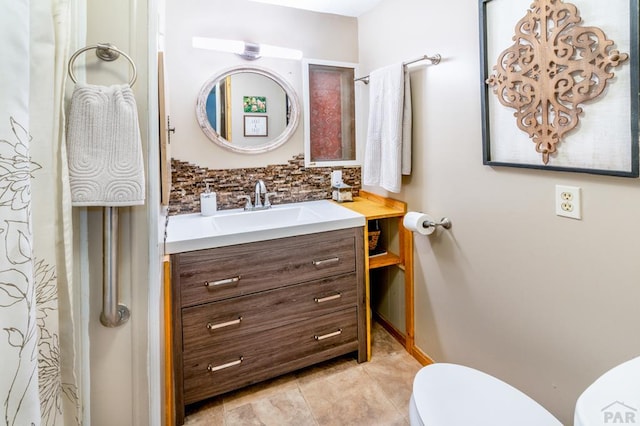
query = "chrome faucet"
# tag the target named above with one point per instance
(260, 189)
(258, 204)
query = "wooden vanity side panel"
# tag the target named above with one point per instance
(169, 388)
(264, 265)
(178, 378)
(362, 302)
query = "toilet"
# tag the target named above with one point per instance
(454, 395)
(612, 399)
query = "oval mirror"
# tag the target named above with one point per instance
(248, 109)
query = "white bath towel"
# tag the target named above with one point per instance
(388, 143)
(104, 147)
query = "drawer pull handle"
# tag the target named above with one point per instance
(213, 368)
(328, 298)
(326, 336)
(225, 281)
(326, 262)
(211, 326)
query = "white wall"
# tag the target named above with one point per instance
(120, 363)
(545, 303)
(319, 36)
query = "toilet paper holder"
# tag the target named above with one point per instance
(423, 223)
(444, 222)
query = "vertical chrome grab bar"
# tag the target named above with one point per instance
(113, 314)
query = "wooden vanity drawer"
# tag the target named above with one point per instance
(258, 356)
(218, 322)
(225, 272)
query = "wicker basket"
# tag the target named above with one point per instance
(373, 239)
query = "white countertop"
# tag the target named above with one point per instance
(190, 232)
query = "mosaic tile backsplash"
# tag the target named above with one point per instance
(291, 182)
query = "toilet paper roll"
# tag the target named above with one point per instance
(416, 222)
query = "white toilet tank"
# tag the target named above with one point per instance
(454, 395)
(612, 399)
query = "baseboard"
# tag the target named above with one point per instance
(420, 356)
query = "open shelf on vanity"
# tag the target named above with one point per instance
(398, 244)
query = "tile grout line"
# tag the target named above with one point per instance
(317, 423)
(389, 400)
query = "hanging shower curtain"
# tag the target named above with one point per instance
(37, 380)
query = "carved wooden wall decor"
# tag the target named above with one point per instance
(553, 67)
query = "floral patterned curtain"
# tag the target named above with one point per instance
(37, 380)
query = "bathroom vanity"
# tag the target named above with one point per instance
(254, 304)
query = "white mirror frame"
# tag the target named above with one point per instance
(307, 115)
(205, 125)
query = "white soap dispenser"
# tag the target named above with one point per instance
(208, 202)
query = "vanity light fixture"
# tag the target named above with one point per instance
(246, 50)
(280, 52)
(251, 51)
(218, 44)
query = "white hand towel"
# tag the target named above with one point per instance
(104, 147)
(384, 153)
(407, 126)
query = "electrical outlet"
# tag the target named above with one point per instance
(568, 202)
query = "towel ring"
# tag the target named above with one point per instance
(106, 52)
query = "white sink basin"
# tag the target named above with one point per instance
(190, 232)
(275, 217)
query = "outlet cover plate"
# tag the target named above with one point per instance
(568, 201)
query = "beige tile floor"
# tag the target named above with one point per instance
(337, 392)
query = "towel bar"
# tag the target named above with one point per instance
(435, 60)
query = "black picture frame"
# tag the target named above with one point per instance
(487, 110)
(256, 126)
